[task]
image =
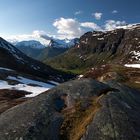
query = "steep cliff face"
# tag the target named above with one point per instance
(119, 46)
(82, 109)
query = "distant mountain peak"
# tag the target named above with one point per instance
(45, 41)
(65, 43)
(32, 43)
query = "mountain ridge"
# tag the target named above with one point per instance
(38, 51)
(120, 46)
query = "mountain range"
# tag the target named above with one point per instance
(50, 47)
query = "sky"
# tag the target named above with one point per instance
(64, 18)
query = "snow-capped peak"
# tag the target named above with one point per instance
(65, 43)
(129, 26)
(32, 43)
(42, 39)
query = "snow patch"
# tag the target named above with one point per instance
(29, 85)
(1, 68)
(136, 54)
(23, 87)
(101, 38)
(132, 65)
(29, 81)
(80, 76)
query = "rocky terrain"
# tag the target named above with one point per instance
(82, 109)
(11, 98)
(126, 75)
(120, 46)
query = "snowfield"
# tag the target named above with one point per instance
(29, 85)
(132, 65)
(1, 68)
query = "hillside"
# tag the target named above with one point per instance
(11, 57)
(120, 46)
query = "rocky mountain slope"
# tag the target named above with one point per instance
(120, 46)
(11, 57)
(31, 49)
(77, 110)
(51, 52)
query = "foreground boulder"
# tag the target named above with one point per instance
(81, 109)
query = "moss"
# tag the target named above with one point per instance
(75, 123)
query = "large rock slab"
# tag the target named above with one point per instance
(118, 119)
(42, 118)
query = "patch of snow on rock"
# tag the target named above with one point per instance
(132, 65)
(136, 54)
(100, 38)
(1, 68)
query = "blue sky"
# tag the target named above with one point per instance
(59, 17)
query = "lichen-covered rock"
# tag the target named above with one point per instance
(118, 119)
(81, 109)
(41, 117)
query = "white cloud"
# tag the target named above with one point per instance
(78, 12)
(97, 15)
(35, 34)
(68, 27)
(112, 24)
(38, 35)
(41, 34)
(114, 12)
(72, 28)
(91, 25)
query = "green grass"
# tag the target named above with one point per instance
(73, 71)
